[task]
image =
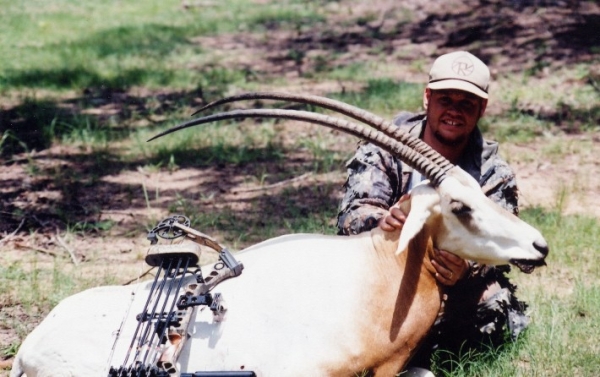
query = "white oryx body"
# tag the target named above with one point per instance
(305, 305)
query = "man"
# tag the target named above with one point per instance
(479, 303)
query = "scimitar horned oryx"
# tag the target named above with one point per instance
(307, 304)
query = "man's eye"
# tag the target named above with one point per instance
(466, 105)
(445, 101)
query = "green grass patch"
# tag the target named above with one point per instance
(546, 103)
(513, 128)
(385, 97)
(293, 17)
(302, 210)
(36, 124)
(69, 45)
(38, 289)
(208, 145)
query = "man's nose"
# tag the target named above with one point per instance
(453, 107)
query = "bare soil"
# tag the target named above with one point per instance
(41, 189)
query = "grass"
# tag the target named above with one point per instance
(385, 96)
(40, 288)
(122, 44)
(212, 145)
(83, 85)
(533, 113)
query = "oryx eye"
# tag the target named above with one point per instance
(459, 208)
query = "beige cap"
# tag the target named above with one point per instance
(460, 70)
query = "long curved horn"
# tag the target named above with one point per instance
(410, 156)
(354, 112)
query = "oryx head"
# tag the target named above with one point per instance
(469, 224)
(473, 226)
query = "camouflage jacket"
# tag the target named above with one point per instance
(377, 180)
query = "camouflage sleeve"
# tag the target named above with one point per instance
(373, 185)
(499, 184)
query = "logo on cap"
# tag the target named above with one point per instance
(463, 66)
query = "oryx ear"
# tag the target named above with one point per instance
(423, 201)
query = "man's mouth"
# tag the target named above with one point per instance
(451, 123)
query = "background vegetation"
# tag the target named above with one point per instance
(83, 85)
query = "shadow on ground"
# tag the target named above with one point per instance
(517, 35)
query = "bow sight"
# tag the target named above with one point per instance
(162, 327)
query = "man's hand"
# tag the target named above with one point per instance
(395, 218)
(450, 268)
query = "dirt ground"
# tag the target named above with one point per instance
(569, 182)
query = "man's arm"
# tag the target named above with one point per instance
(372, 187)
(500, 185)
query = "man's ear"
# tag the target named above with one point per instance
(423, 202)
(426, 95)
(484, 103)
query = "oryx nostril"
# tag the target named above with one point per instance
(541, 246)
